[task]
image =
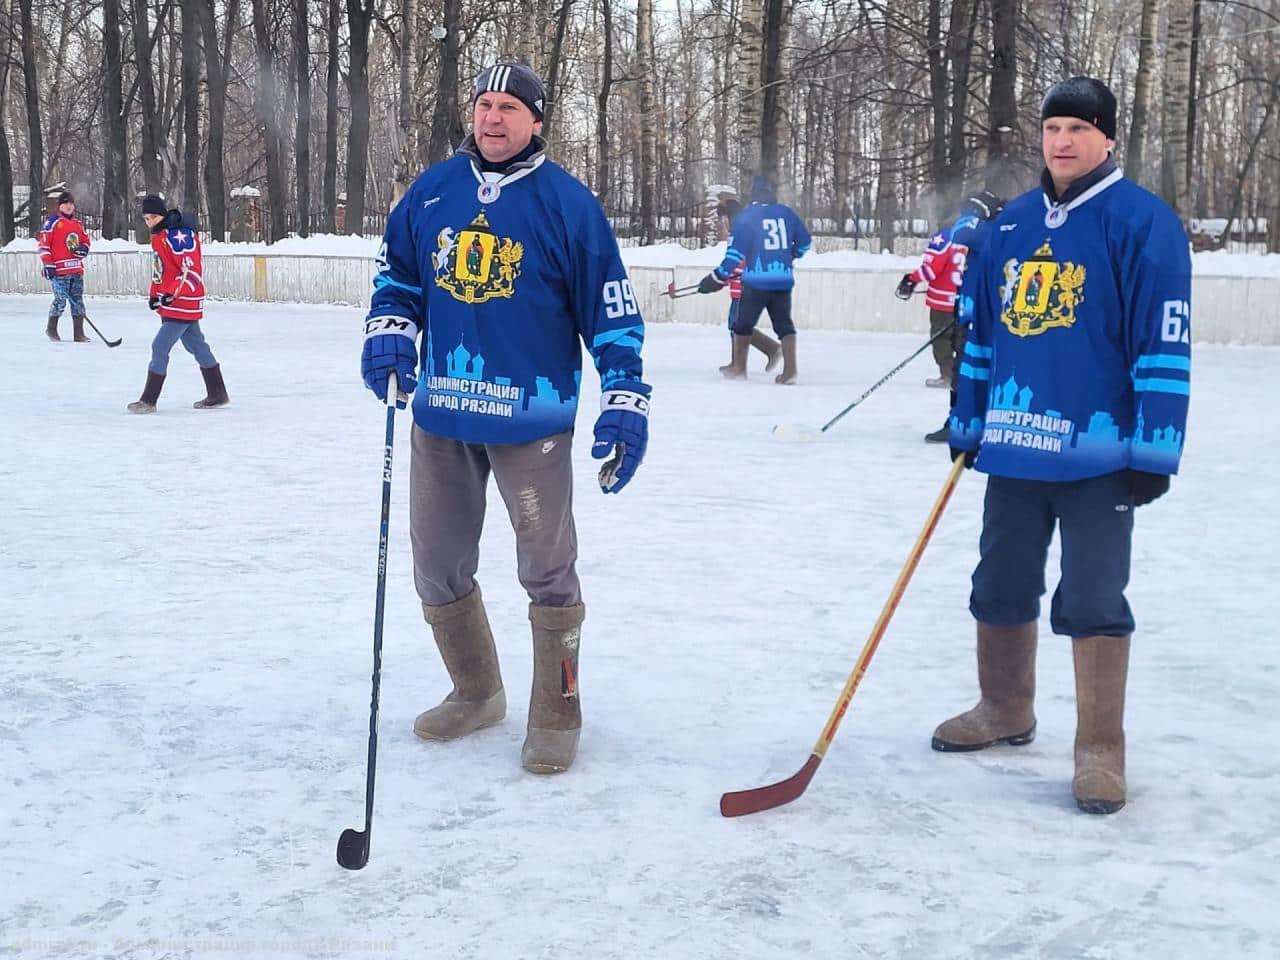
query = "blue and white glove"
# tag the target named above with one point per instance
(390, 343)
(623, 430)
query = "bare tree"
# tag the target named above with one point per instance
(444, 116)
(359, 19)
(648, 122)
(35, 142)
(1177, 97)
(329, 188)
(268, 119)
(749, 69)
(217, 58)
(603, 170)
(302, 130)
(406, 114)
(145, 84)
(190, 108)
(1133, 152)
(6, 164)
(1002, 134)
(115, 166)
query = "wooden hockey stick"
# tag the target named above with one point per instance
(742, 802)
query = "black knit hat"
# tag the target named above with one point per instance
(65, 197)
(153, 204)
(1084, 98)
(516, 80)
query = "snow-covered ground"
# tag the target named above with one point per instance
(186, 605)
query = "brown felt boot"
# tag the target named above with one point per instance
(736, 369)
(788, 374)
(1007, 680)
(214, 387)
(150, 394)
(555, 713)
(1102, 670)
(77, 329)
(51, 330)
(770, 347)
(466, 645)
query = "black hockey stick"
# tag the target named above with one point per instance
(109, 343)
(353, 845)
(786, 433)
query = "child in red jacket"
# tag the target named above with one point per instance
(63, 244)
(177, 294)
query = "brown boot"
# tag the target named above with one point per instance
(769, 347)
(555, 713)
(736, 369)
(214, 387)
(466, 645)
(51, 331)
(150, 394)
(1007, 679)
(77, 328)
(1102, 669)
(788, 374)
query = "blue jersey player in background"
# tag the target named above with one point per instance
(496, 266)
(1071, 396)
(764, 240)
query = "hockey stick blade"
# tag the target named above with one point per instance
(353, 849)
(109, 343)
(790, 433)
(739, 803)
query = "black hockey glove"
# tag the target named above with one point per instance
(906, 287)
(969, 456)
(81, 251)
(50, 272)
(1147, 486)
(154, 302)
(709, 284)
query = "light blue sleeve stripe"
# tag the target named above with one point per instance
(1170, 361)
(382, 280)
(974, 373)
(980, 353)
(623, 337)
(1158, 385)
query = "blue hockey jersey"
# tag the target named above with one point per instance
(504, 275)
(1078, 360)
(765, 238)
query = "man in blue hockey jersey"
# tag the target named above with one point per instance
(1072, 396)
(504, 263)
(764, 239)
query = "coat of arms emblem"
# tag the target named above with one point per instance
(475, 264)
(1040, 293)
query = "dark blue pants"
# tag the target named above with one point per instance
(754, 302)
(1095, 522)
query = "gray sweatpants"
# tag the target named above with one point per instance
(447, 486)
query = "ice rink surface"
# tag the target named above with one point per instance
(186, 607)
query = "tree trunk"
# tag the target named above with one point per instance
(142, 48)
(648, 121)
(115, 163)
(35, 145)
(553, 66)
(1192, 82)
(1135, 148)
(190, 109)
(7, 230)
(749, 71)
(444, 116)
(960, 37)
(1177, 95)
(938, 102)
(359, 18)
(330, 185)
(269, 121)
(603, 169)
(773, 30)
(302, 130)
(215, 65)
(1003, 135)
(406, 167)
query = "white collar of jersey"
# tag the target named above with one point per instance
(1107, 181)
(483, 177)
